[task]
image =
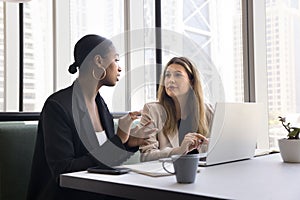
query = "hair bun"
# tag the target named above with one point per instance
(73, 68)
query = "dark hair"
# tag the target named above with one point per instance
(85, 46)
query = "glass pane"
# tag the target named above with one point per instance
(38, 54)
(142, 55)
(210, 34)
(283, 65)
(150, 57)
(106, 18)
(102, 17)
(1, 57)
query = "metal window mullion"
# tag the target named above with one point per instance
(248, 51)
(21, 50)
(254, 57)
(158, 42)
(54, 45)
(127, 42)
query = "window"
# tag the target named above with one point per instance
(286, 101)
(38, 54)
(102, 17)
(199, 22)
(107, 18)
(209, 33)
(9, 59)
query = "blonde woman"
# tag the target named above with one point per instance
(180, 116)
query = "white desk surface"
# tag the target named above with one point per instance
(265, 177)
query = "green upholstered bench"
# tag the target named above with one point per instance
(17, 140)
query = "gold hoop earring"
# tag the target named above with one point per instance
(103, 75)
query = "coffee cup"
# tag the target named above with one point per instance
(185, 167)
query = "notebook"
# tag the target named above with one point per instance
(233, 132)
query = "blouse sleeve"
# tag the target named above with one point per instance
(154, 150)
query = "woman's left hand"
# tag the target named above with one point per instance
(192, 141)
(124, 125)
(140, 134)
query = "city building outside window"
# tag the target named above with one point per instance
(283, 49)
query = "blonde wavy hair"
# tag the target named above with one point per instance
(196, 104)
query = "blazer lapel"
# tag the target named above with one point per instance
(173, 139)
(82, 119)
(105, 117)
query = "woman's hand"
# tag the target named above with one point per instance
(190, 142)
(124, 125)
(140, 134)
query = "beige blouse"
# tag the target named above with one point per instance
(161, 145)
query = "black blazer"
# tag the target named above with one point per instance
(66, 142)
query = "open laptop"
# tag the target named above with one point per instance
(233, 132)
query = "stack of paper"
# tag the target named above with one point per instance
(152, 168)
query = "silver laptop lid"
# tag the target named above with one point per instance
(234, 132)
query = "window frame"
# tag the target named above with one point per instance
(12, 60)
(253, 14)
(255, 71)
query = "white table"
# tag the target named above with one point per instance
(265, 177)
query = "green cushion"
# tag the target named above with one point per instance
(17, 142)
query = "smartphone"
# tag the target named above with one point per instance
(113, 171)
